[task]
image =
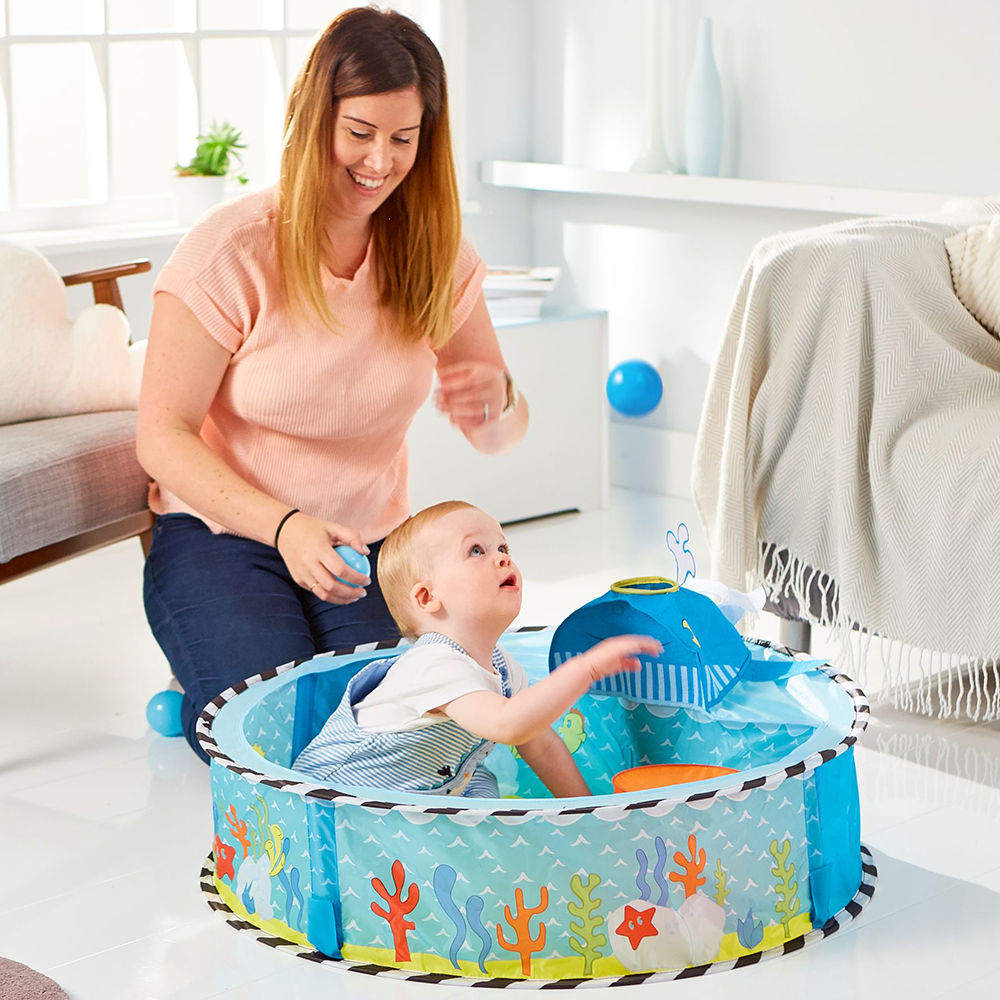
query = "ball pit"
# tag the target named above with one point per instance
(656, 883)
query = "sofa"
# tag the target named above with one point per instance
(848, 454)
(70, 481)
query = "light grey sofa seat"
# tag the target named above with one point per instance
(66, 477)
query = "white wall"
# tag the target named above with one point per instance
(893, 94)
(500, 105)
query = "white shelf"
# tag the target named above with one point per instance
(712, 190)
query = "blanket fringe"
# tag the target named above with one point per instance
(929, 682)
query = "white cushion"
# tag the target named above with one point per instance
(50, 365)
(974, 256)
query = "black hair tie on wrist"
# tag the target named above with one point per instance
(281, 524)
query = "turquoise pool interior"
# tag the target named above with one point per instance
(779, 712)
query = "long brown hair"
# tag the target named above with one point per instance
(416, 232)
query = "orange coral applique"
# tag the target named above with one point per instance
(524, 944)
(224, 854)
(691, 868)
(399, 907)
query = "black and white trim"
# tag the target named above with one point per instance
(869, 876)
(605, 811)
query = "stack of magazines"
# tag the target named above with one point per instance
(518, 292)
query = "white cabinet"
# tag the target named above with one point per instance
(560, 363)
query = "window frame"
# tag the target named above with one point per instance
(442, 19)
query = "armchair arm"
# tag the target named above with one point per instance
(105, 280)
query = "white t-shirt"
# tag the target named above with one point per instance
(424, 678)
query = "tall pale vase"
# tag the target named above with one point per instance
(703, 108)
(653, 156)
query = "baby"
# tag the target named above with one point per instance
(425, 720)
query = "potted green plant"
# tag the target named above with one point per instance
(201, 181)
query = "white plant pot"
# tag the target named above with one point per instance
(195, 195)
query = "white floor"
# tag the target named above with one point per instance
(104, 826)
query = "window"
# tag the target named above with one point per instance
(100, 98)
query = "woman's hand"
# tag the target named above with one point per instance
(471, 393)
(307, 543)
(473, 390)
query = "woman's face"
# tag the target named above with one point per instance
(374, 147)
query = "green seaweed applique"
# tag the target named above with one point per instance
(786, 889)
(721, 884)
(587, 926)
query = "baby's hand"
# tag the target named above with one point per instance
(611, 656)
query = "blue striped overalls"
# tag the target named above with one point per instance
(442, 758)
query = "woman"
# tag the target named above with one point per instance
(295, 333)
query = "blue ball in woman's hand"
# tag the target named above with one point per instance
(356, 560)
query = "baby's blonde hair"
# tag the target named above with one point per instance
(401, 562)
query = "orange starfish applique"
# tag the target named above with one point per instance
(638, 924)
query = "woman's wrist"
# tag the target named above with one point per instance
(282, 522)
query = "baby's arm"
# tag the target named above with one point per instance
(522, 717)
(549, 758)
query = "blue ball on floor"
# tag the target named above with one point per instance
(163, 713)
(356, 560)
(634, 388)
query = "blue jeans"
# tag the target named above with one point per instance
(224, 608)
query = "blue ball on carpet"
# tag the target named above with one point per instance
(356, 560)
(163, 713)
(634, 388)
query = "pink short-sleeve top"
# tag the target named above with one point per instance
(315, 418)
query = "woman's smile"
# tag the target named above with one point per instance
(368, 183)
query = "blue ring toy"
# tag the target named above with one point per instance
(356, 560)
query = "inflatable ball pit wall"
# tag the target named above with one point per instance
(615, 888)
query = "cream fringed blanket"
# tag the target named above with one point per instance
(853, 419)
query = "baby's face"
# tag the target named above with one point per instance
(471, 570)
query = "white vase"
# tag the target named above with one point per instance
(195, 194)
(703, 108)
(653, 156)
